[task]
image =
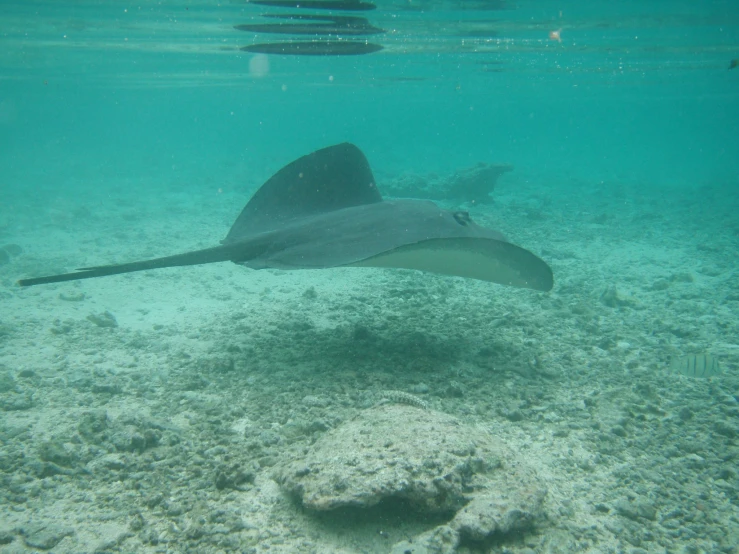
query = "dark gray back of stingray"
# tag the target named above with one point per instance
(327, 180)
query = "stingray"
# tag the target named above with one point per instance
(315, 48)
(317, 25)
(323, 210)
(346, 5)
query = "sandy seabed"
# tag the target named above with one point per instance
(152, 412)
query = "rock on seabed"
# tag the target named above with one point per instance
(426, 458)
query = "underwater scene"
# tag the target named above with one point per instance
(369, 276)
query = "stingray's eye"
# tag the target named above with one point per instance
(463, 218)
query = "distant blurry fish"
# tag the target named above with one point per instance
(734, 63)
(699, 365)
(556, 35)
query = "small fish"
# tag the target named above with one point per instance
(556, 35)
(734, 63)
(698, 365)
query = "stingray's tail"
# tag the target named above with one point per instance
(207, 256)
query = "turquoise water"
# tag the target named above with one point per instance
(177, 410)
(640, 92)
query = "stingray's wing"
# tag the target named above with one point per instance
(412, 234)
(471, 257)
(327, 180)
